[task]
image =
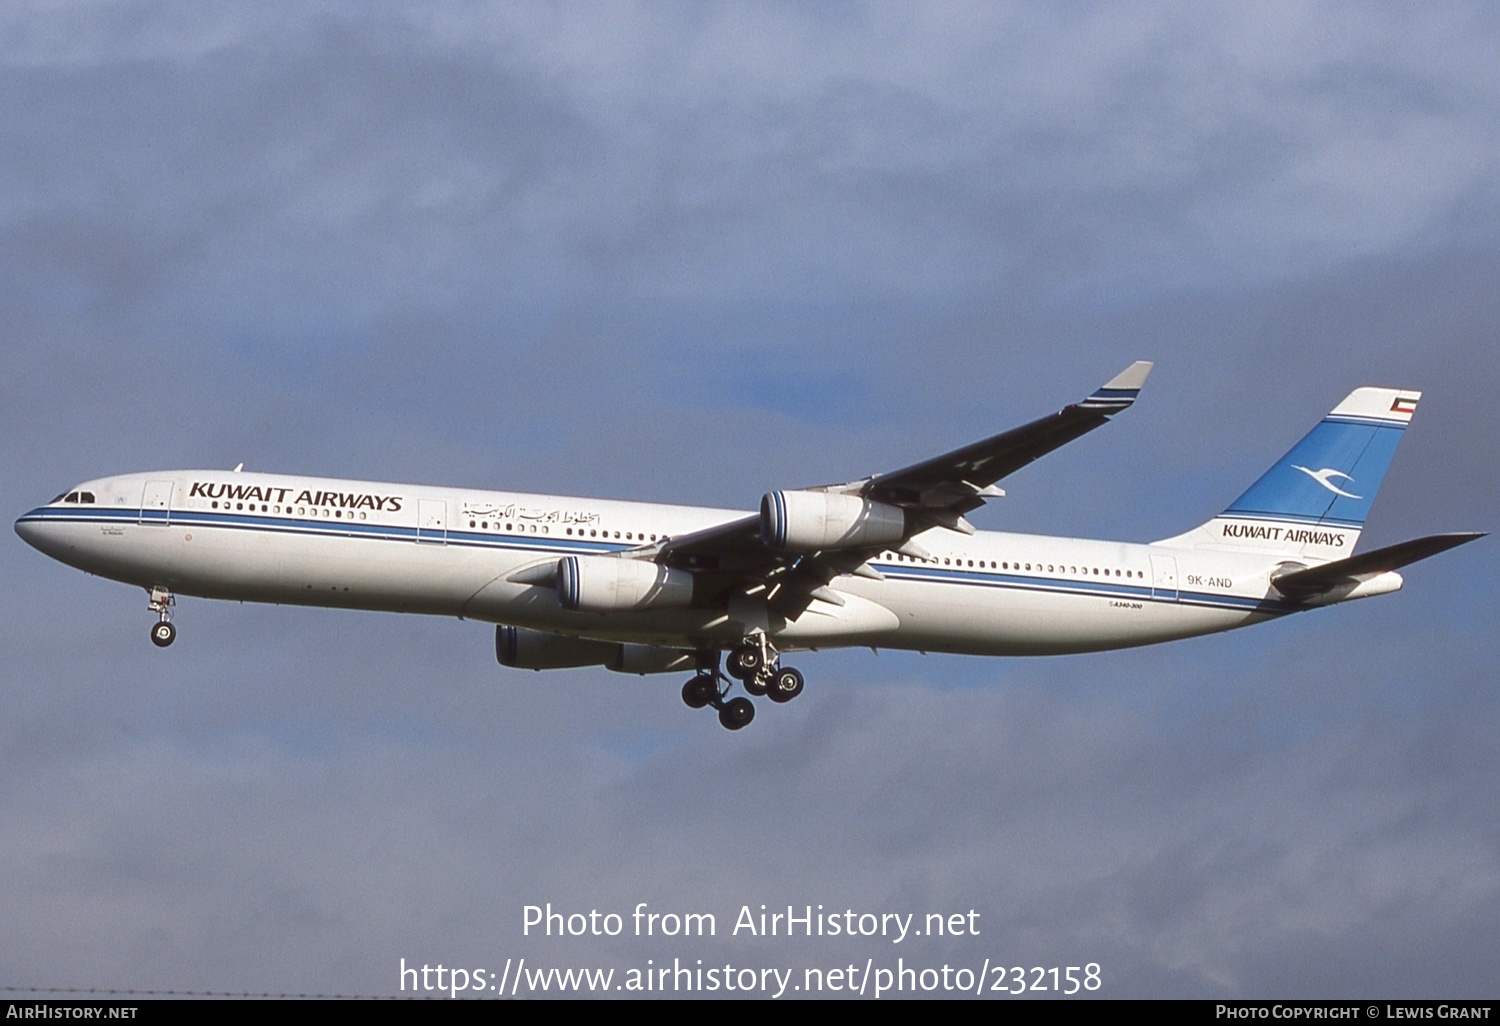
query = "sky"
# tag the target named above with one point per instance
(691, 252)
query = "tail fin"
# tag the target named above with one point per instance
(1313, 502)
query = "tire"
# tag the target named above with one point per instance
(163, 634)
(786, 684)
(744, 662)
(737, 713)
(697, 692)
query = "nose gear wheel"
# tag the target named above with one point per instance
(163, 632)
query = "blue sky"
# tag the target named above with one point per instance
(691, 252)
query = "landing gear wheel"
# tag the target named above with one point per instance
(699, 691)
(786, 684)
(162, 601)
(736, 713)
(744, 662)
(755, 685)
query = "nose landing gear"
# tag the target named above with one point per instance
(163, 632)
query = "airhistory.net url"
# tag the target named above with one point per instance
(517, 979)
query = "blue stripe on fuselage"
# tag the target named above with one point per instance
(545, 546)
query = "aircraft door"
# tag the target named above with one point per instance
(432, 521)
(156, 503)
(1164, 577)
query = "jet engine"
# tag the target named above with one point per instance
(603, 584)
(811, 521)
(537, 650)
(650, 659)
(525, 649)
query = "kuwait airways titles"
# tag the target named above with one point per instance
(886, 561)
(302, 497)
(1294, 535)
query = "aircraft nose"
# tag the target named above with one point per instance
(29, 527)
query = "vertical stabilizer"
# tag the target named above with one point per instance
(1313, 502)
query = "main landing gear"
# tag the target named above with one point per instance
(163, 633)
(757, 666)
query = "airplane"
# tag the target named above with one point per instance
(886, 561)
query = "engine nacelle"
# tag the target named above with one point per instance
(603, 584)
(650, 659)
(525, 649)
(537, 650)
(811, 521)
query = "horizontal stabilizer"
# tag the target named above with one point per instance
(1312, 581)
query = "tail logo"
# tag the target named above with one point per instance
(1322, 476)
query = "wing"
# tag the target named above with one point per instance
(946, 487)
(801, 540)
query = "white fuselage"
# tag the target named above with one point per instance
(455, 552)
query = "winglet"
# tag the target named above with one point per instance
(1119, 391)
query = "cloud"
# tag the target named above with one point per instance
(693, 253)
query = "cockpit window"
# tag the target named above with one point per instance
(57, 498)
(87, 497)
